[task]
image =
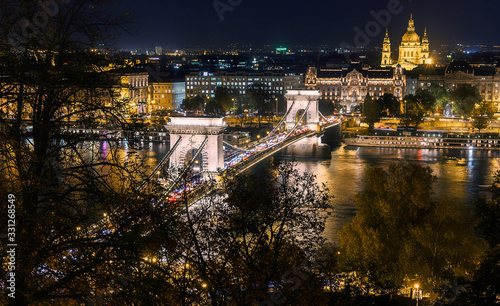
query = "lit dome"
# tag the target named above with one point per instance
(411, 36)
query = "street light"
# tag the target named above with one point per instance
(417, 294)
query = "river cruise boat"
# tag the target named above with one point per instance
(427, 140)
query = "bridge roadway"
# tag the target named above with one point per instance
(104, 227)
(257, 157)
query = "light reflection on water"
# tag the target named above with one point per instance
(343, 174)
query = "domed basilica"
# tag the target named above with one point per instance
(412, 51)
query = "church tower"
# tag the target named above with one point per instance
(386, 51)
(410, 48)
(425, 54)
(412, 52)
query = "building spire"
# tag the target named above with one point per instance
(387, 40)
(411, 24)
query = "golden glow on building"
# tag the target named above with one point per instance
(386, 51)
(412, 50)
(160, 96)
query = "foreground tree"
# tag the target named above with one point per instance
(401, 235)
(484, 288)
(252, 243)
(66, 252)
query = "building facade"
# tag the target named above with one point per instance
(160, 96)
(166, 95)
(205, 83)
(412, 50)
(349, 86)
(485, 79)
(134, 90)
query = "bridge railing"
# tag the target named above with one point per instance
(160, 165)
(283, 119)
(185, 170)
(299, 121)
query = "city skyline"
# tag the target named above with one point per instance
(223, 22)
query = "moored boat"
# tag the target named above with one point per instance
(427, 140)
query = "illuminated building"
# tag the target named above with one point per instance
(349, 86)
(205, 83)
(166, 95)
(159, 50)
(386, 51)
(485, 79)
(412, 51)
(134, 91)
(160, 96)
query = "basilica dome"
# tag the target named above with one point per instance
(411, 36)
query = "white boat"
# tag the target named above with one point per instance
(427, 140)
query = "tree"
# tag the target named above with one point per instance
(252, 245)
(224, 98)
(214, 107)
(326, 107)
(414, 111)
(389, 105)
(402, 235)
(484, 288)
(66, 252)
(371, 112)
(193, 104)
(259, 98)
(464, 98)
(482, 114)
(426, 100)
(441, 95)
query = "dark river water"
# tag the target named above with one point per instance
(343, 173)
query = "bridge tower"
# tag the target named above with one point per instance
(194, 131)
(297, 103)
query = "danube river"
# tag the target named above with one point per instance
(343, 174)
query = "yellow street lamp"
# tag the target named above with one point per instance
(417, 294)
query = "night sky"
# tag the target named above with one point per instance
(180, 23)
